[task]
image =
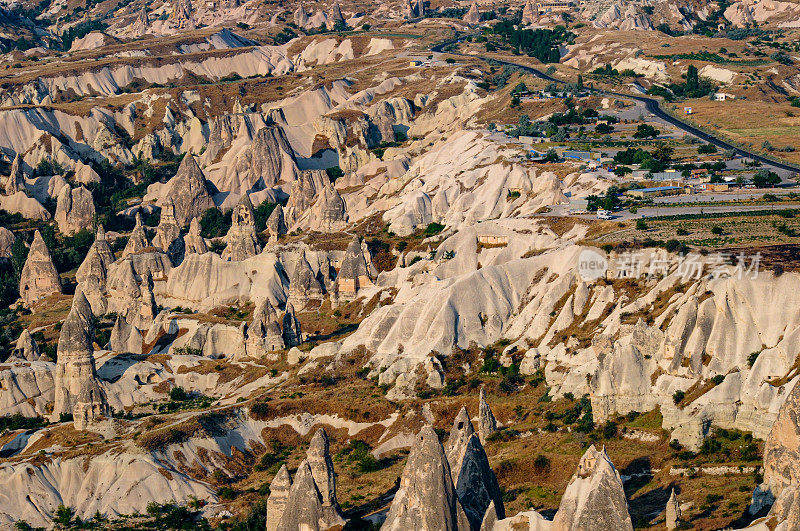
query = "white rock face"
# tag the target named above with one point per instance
(27, 388)
(594, 498)
(39, 277)
(77, 388)
(241, 240)
(187, 190)
(122, 484)
(626, 19)
(426, 498)
(430, 194)
(27, 207)
(75, 210)
(782, 447)
(203, 281)
(278, 496)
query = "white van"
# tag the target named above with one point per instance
(603, 214)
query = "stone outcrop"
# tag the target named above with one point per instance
(415, 9)
(303, 508)
(276, 224)
(85, 174)
(148, 309)
(182, 14)
(125, 337)
(426, 498)
(16, 179)
(329, 212)
(141, 24)
(782, 447)
(475, 482)
(241, 240)
(272, 159)
(489, 518)
(278, 497)
(473, 16)
(223, 132)
(7, 240)
(460, 433)
(264, 333)
(168, 233)
(335, 16)
(595, 498)
(300, 16)
(26, 348)
(311, 503)
(304, 288)
(103, 247)
(487, 424)
(785, 511)
(530, 15)
(673, 512)
(77, 388)
(188, 191)
(319, 459)
(74, 210)
(193, 242)
(304, 193)
(292, 334)
(39, 278)
(93, 271)
(137, 241)
(356, 272)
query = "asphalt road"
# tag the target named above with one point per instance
(653, 106)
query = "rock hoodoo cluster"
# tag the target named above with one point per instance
(74, 210)
(16, 179)
(264, 334)
(356, 272)
(304, 288)
(595, 498)
(241, 240)
(168, 233)
(193, 241)
(475, 483)
(137, 241)
(78, 391)
(276, 225)
(39, 277)
(188, 191)
(426, 498)
(311, 501)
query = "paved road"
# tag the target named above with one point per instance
(649, 212)
(653, 106)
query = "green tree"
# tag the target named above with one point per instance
(692, 79)
(764, 178)
(19, 253)
(63, 515)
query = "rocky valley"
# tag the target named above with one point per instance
(475, 266)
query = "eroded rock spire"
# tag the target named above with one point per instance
(77, 388)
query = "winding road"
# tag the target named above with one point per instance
(652, 105)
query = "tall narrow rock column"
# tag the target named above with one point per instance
(77, 387)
